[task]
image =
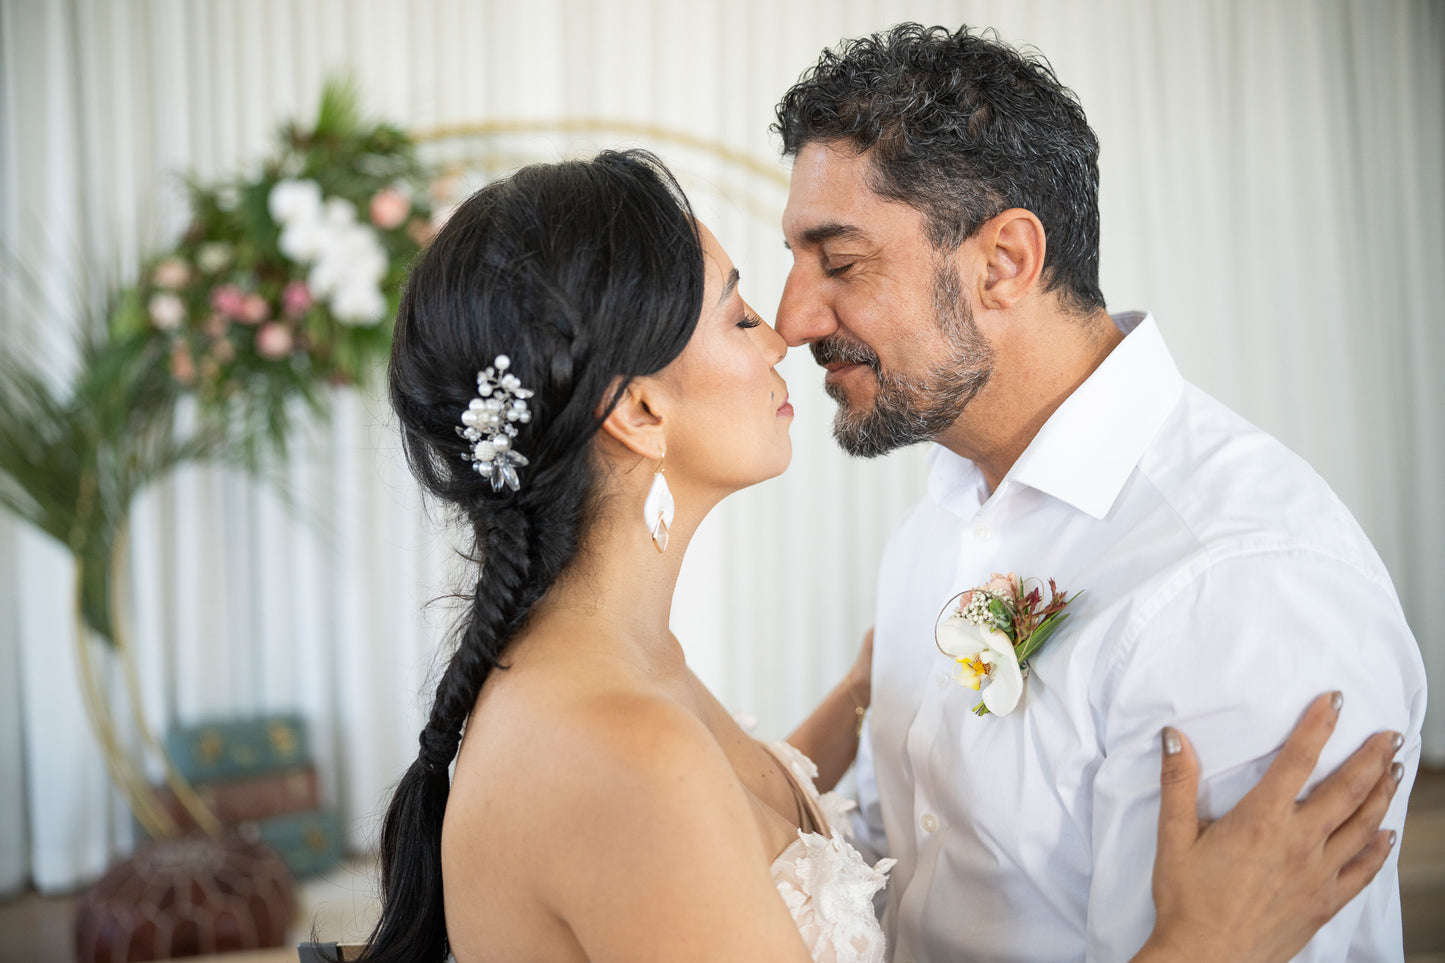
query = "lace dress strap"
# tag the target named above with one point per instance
(826, 885)
(808, 805)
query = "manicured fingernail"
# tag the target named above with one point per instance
(1172, 745)
(1397, 741)
(1392, 839)
(1397, 772)
(1337, 700)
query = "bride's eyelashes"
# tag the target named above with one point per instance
(750, 321)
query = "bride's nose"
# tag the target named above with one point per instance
(774, 347)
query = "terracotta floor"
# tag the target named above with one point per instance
(36, 929)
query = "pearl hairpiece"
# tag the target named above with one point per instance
(490, 423)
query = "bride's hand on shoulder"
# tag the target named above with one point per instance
(1258, 883)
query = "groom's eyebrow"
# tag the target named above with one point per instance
(730, 287)
(831, 231)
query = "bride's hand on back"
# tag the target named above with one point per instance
(1258, 883)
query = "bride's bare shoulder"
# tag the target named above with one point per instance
(607, 798)
(581, 739)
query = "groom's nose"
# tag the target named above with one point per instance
(803, 314)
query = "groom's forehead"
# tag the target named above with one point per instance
(831, 198)
(827, 176)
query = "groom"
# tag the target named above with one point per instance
(944, 226)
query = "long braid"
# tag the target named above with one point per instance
(414, 820)
(584, 273)
(497, 605)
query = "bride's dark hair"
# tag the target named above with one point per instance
(584, 274)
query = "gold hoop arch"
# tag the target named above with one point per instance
(491, 156)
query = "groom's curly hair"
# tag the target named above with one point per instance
(961, 126)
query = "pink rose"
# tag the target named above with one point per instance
(274, 341)
(227, 299)
(420, 231)
(254, 309)
(963, 601)
(1002, 586)
(439, 217)
(296, 299)
(171, 273)
(183, 366)
(445, 187)
(389, 207)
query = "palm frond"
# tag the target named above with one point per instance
(73, 459)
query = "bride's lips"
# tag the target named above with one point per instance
(785, 409)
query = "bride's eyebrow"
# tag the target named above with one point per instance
(730, 287)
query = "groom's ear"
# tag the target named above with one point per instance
(1011, 246)
(635, 422)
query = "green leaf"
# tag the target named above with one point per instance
(339, 115)
(1040, 635)
(1001, 615)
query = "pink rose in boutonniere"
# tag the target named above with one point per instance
(991, 631)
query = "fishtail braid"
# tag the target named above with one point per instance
(585, 274)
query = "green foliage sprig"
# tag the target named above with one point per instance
(283, 283)
(287, 281)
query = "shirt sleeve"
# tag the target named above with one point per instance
(1231, 654)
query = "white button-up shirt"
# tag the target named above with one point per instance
(1224, 586)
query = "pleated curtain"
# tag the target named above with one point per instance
(1273, 189)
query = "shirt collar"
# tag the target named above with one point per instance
(955, 482)
(1090, 445)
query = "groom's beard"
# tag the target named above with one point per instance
(905, 410)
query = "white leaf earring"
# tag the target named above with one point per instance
(657, 509)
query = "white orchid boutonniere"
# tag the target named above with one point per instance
(991, 631)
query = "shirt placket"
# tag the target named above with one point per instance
(928, 747)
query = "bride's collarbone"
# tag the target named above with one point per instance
(781, 814)
(542, 698)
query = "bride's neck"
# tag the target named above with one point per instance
(620, 581)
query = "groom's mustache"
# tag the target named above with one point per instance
(833, 349)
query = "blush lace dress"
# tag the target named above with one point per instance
(825, 882)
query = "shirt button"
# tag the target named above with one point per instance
(929, 822)
(982, 531)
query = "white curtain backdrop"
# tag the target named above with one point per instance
(1273, 189)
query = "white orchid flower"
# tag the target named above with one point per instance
(983, 655)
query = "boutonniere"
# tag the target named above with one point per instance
(991, 631)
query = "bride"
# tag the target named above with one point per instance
(572, 347)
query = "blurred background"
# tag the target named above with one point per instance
(1273, 189)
